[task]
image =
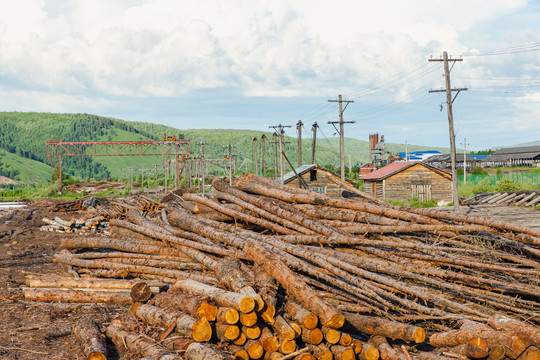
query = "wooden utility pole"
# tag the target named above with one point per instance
(203, 167)
(299, 128)
(275, 142)
(255, 160)
(465, 161)
(263, 146)
(449, 101)
(155, 178)
(340, 131)
(229, 156)
(314, 129)
(130, 169)
(281, 134)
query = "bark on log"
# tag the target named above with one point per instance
(321, 351)
(301, 315)
(91, 339)
(120, 297)
(221, 297)
(343, 352)
(369, 352)
(187, 303)
(312, 336)
(138, 344)
(249, 185)
(227, 315)
(227, 332)
(269, 342)
(385, 350)
(331, 336)
(187, 326)
(279, 271)
(379, 326)
(474, 349)
(531, 353)
(230, 274)
(199, 351)
(501, 322)
(283, 328)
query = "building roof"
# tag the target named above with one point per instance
(301, 170)
(515, 153)
(418, 155)
(446, 157)
(398, 166)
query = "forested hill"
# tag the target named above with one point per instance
(25, 135)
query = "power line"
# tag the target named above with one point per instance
(506, 51)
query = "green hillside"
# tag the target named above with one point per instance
(26, 170)
(23, 137)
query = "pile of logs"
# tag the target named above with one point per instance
(91, 225)
(524, 198)
(263, 270)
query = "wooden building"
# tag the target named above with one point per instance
(316, 178)
(444, 162)
(400, 180)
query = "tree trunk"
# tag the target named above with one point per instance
(379, 326)
(91, 340)
(385, 350)
(198, 351)
(189, 304)
(121, 297)
(227, 315)
(221, 297)
(301, 315)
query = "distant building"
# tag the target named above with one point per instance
(444, 161)
(400, 180)
(516, 156)
(418, 155)
(366, 169)
(316, 179)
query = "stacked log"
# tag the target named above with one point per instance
(286, 269)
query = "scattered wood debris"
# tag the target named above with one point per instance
(261, 270)
(526, 198)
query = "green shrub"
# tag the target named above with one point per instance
(508, 185)
(479, 171)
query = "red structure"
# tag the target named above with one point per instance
(58, 149)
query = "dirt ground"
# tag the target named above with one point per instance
(42, 330)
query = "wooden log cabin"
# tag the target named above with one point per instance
(316, 180)
(401, 180)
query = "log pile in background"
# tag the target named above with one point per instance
(285, 269)
(524, 198)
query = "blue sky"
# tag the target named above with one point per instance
(253, 64)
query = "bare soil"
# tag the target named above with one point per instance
(31, 330)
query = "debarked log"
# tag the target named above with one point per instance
(103, 296)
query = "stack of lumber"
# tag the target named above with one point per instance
(526, 198)
(330, 277)
(90, 225)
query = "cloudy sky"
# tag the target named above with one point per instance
(251, 64)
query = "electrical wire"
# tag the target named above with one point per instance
(506, 51)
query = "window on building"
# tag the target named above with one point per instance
(312, 175)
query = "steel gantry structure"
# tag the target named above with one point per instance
(58, 149)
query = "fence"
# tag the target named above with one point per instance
(524, 178)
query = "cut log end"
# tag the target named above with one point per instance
(287, 346)
(249, 319)
(207, 311)
(348, 354)
(497, 352)
(419, 335)
(268, 313)
(97, 356)
(332, 336)
(325, 355)
(477, 348)
(141, 292)
(247, 304)
(242, 339)
(241, 355)
(252, 332)
(232, 332)
(345, 339)
(311, 321)
(316, 336)
(202, 331)
(271, 344)
(255, 351)
(336, 321)
(357, 346)
(370, 353)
